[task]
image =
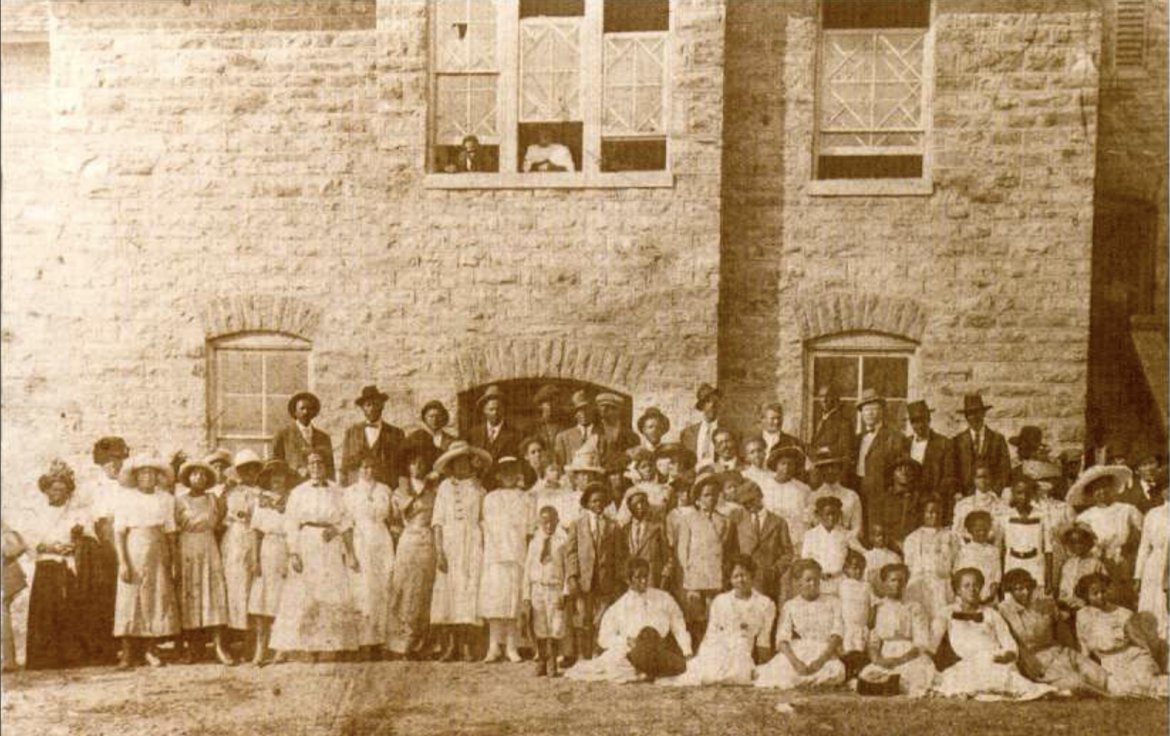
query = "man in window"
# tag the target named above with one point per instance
(980, 442)
(877, 449)
(471, 157)
(294, 444)
(374, 437)
(547, 155)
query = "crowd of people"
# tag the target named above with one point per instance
(895, 561)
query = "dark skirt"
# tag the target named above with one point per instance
(655, 655)
(97, 585)
(54, 639)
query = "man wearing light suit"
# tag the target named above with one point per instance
(586, 430)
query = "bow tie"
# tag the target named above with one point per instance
(974, 617)
(373, 425)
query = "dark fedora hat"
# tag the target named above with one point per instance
(491, 392)
(973, 404)
(371, 393)
(654, 413)
(916, 410)
(704, 393)
(905, 461)
(580, 400)
(1030, 436)
(314, 403)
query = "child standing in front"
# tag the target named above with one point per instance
(828, 543)
(506, 524)
(930, 556)
(981, 553)
(808, 636)
(1025, 536)
(545, 592)
(702, 542)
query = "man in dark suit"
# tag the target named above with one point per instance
(1140, 493)
(935, 453)
(699, 438)
(548, 426)
(645, 538)
(585, 431)
(379, 440)
(980, 442)
(293, 444)
(471, 157)
(878, 447)
(835, 428)
(492, 432)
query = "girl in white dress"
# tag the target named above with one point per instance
(367, 503)
(808, 636)
(270, 553)
(235, 546)
(507, 523)
(1108, 631)
(458, 546)
(900, 640)
(982, 641)
(1150, 571)
(856, 612)
(202, 591)
(739, 633)
(317, 612)
(930, 552)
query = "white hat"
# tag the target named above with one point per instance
(245, 457)
(133, 465)
(461, 448)
(1121, 475)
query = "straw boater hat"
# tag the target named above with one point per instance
(824, 456)
(789, 451)
(460, 448)
(246, 456)
(491, 392)
(1119, 475)
(870, 396)
(184, 476)
(973, 404)
(704, 393)
(654, 413)
(314, 404)
(271, 468)
(585, 460)
(706, 478)
(130, 470)
(371, 393)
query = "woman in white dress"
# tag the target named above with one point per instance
(368, 503)
(270, 552)
(507, 521)
(1114, 635)
(235, 546)
(739, 633)
(459, 546)
(1150, 571)
(317, 612)
(1116, 524)
(900, 640)
(808, 637)
(930, 552)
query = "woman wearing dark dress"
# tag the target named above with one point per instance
(432, 436)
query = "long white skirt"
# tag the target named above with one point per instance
(779, 673)
(983, 678)
(611, 666)
(724, 660)
(916, 677)
(317, 611)
(371, 584)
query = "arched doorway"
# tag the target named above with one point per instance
(519, 409)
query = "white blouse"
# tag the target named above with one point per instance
(136, 510)
(635, 611)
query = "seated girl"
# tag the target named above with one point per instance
(1033, 622)
(740, 625)
(983, 644)
(1114, 635)
(900, 638)
(808, 638)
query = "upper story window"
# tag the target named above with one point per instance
(853, 362)
(1129, 35)
(549, 86)
(251, 378)
(873, 84)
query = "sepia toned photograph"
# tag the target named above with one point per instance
(632, 367)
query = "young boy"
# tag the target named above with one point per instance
(763, 536)
(1025, 537)
(550, 491)
(544, 591)
(981, 553)
(829, 468)
(645, 538)
(594, 558)
(703, 539)
(827, 543)
(985, 498)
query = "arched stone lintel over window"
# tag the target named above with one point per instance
(822, 315)
(603, 365)
(260, 313)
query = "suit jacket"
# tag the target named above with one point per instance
(1135, 496)
(938, 467)
(771, 549)
(597, 564)
(482, 161)
(883, 451)
(784, 440)
(548, 433)
(507, 440)
(695, 559)
(620, 440)
(422, 438)
(994, 451)
(290, 446)
(385, 451)
(689, 437)
(836, 431)
(652, 547)
(571, 439)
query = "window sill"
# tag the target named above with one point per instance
(563, 180)
(871, 188)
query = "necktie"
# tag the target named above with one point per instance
(546, 549)
(759, 524)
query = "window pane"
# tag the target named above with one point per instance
(276, 414)
(565, 134)
(465, 35)
(643, 15)
(633, 155)
(888, 376)
(635, 72)
(869, 167)
(543, 8)
(885, 14)
(837, 372)
(239, 372)
(466, 105)
(287, 372)
(871, 83)
(550, 69)
(241, 414)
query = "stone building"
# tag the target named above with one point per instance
(209, 205)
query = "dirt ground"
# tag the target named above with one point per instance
(427, 698)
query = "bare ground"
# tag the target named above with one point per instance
(431, 699)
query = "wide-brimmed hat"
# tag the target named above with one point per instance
(1119, 474)
(870, 396)
(825, 456)
(491, 392)
(109, 448)
(788, 451)
(703, 393)
(585, 460)
(219, 455)
(246, 456)
(607, 399)
(271, 468)
(314, 403)
(653, 413)
(435, 404)
(460, 448)
(184, 475)
(591, 489)
(546, 393)
(916, 410)
(134, 464)
(371, 393)
(580, 400)
(973, 404)
(525, 469)
(1030, 436)
(680, 452)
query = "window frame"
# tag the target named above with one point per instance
(249, 342)
(916, 186)
(858, 344)
(508, 110)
